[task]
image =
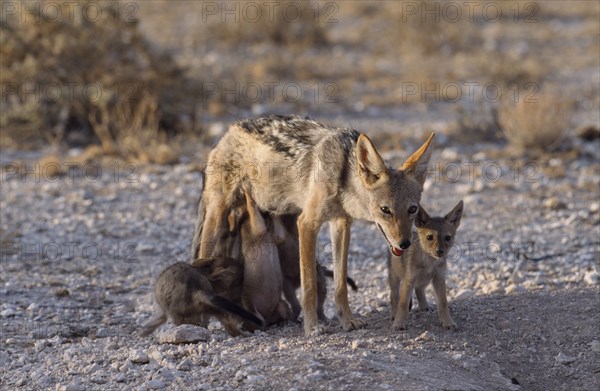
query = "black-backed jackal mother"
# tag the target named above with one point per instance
(326, 174)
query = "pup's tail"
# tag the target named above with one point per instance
(159, 318)
(223, 304)
(349, 281)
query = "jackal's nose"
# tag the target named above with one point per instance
(440, 252)
(405, 244)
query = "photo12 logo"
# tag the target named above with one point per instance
(269, 11)
(125, 252)
(68, 11)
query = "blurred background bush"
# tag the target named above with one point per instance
(137, 79)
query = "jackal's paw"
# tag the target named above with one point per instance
(352, 324)
(424, 309)
(449, 326)
(398, 326)
(314, 331)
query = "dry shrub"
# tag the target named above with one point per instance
(477, 122)
(415, 29)
(97, 79)
(539, 125)
(510, 71)
(286, 23)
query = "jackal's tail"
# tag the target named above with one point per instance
(349, 281)
(223, 304)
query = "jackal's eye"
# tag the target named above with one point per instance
(386, 210)
(430, 237)
(447, 238)
(412, 209)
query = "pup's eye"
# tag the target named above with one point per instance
(412, 209)
(429, 237)
(386, 210)
(448, 238)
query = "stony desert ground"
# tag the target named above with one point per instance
(81, 251)
(92, 208)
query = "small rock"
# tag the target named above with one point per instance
(591, 277)
(166, 374)
(562, 358)
(239, 375)
(515, 288)
(425, 336)
(185, 333)
(155, 385)
(595, 345)
(254, 378)
(139, 357)
(554, 203)
(155, 355)
(61, 292)
(357, 343)
(464, 294)
(70, 387)
(315, 376)
(8, 312)
(185, 365)
(103, 332)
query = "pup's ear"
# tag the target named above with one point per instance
(371, 167)
(422, 217)
(416, 164)
(455, 215)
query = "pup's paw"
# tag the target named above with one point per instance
(424, 309)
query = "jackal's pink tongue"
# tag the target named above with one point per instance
(396, 251)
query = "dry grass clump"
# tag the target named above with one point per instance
(538, 125)
(292, 24)
(80, 79)
(475, 123)
(429, 27)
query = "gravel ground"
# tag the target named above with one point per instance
(80, 253)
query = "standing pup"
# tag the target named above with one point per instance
(184, 294)
(263, 281)
(425, 262)
(327, 174)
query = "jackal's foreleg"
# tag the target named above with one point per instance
(340, 238)
(308, 228)
(215, 222)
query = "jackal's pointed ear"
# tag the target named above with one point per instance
(371, 167)
(454, 216)
(422, 217)
(416, 164)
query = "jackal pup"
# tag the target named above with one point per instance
(263, 280)
(423, 263)
(185, 294)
